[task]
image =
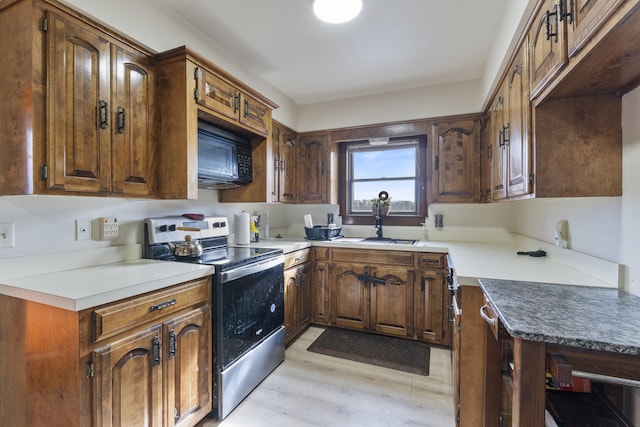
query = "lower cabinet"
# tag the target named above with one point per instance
(164, 358)
(398, 293)
(145, 360)
(297, 293)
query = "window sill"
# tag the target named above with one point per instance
(386, 220)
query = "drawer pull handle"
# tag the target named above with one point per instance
(430, 261)
(489, 320)
(163, 304)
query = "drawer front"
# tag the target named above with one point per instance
(371, 257)
(116, 318)
(296, 258)
(429, 260)
(321, 253)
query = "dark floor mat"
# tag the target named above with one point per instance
(388, 352)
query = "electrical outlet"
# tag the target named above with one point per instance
(7, 235)
(83, 229)
(108, 228)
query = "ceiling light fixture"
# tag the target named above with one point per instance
(337, 11)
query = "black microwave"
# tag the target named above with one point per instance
(224, 158)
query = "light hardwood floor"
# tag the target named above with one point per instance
(310, 389)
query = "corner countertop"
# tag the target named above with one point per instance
(494, 260)
(83, 279)
(586, 317)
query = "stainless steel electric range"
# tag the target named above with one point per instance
(247, 301)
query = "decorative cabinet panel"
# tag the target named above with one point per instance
(128, 381)
(486, 158)
(224, 98)
(297, 293)
(547, 37)
(583, 18)
(320, 294)
(431, 307)
(391, 300)
(97, 142)
(284, 164)
(83, 121)
(511, 118)
(455, 173)
(349, 296)
(313, 168)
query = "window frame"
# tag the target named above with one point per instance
(391, 219)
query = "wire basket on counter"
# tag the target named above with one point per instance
(319, 232)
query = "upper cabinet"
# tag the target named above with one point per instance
(284, 160)
(89, 123)
(455, 172)
(511, 147)
(584, 47)
(313, 168)
(190, 87)
(217, 94)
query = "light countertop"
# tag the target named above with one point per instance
(76, 281)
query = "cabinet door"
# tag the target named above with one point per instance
(217, 94)
(349, 297)
(133, 123)
(486, 159)
(287, 168)
(392, 301)
(290, 281)
(187, 355)
(129, 381)
(430, 306)
(78, 111)
(303, 297)
(548, 46)
(518, 126)
(255, 114)
(312, 166)
(586, 18)
(455, 176)
(320, 294)
(498, 180)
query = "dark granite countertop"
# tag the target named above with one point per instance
(579, 316)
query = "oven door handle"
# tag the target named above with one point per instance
(246, 270)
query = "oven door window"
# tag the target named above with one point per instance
(252, 307)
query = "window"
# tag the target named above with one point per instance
(397, 167)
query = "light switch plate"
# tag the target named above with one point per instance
(83, 229)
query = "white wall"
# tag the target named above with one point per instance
(434, 101)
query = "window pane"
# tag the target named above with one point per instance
(402, 193)
(384, 163)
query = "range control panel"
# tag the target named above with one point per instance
(174, 228)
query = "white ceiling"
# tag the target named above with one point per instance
(392, 45)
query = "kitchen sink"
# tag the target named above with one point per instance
(388, 241)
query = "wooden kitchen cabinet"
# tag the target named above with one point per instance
(168, 360)
(89, 123)
(284, 160)
(584, 17)
(431, 302)
(297, 293)
(468, 357)
(511, 118)
(320, 292)
(190, 88)
(455, 175)
(143, 360)
(313, 168)
(372, 290)
(486, 158)
(223, 97)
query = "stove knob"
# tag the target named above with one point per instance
(162, 228)
(172, 227)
